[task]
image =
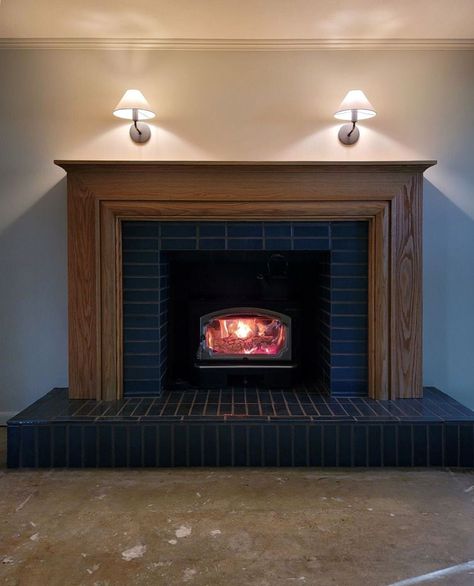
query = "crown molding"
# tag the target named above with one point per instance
(175, 44)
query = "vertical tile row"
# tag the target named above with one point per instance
(349, 307)
(142, 307)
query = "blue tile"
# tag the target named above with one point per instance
(105, 446)
(270, 447)
(350, 256)
(349, 295)
(164, 445)
(136, 244)
(354, 347)
(349, 244)
(44, 446)
(212, 229)
(255, 445)
(347, 229)
(360, 445)
(349, 388)
(178, 229)
(211, 244)
(349, 360)
(195, 445)
(140, 360)
(132, 335)
(349, 308)
(140, 296)
(348, 334)
(130, 283)
(120, 446)
(210, 452)
(244, 229)
(466, 445)
(75, 446)
(405, 445)
(277, 244)
(178, 243)
(375, 445)
(452, 444)
(90, 446)
(150, 270)
(225, 446)
(300, 445)
(140, 229)
(420, 445)
(345, 282)
(311, 244)
(277, 230)
(180, 445)
(59, 446)
(140, 374)
(285, 445)
(135, 447)
(133, 257)
(245, 244)
(239, 445)
(390, 445)
(133, 309)
(315, 445)
(150, 347)
(435, 445)
(142, 322)
(311, 230)
(349, 321)
(330, 445)
(345, 445)
(349, 270)
(149, 445)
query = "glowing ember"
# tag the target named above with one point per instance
(237, 334)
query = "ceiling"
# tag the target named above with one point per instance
(278, 20)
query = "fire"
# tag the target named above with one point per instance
(235, 334)
(243, 329)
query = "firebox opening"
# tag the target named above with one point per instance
(243, 318)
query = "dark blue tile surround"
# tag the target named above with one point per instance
(343, 291)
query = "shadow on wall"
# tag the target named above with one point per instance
(448, 312)
(34, 273)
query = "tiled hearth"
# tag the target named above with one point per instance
(242, 427)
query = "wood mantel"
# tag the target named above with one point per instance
(103, 193)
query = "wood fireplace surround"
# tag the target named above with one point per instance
(101, 194)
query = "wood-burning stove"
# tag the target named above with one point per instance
(245, 343)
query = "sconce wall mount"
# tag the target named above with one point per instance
(354, 107)
(134, 106)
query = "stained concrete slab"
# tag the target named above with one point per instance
(233, 526)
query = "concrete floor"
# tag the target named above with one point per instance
(233, 526)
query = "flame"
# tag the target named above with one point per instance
(243, 329)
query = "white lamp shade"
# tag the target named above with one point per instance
(355, 106)
(133, 105)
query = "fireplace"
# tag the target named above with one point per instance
(384, 197)
(244, 314)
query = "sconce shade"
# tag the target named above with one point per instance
(355, 106)
(133, 106)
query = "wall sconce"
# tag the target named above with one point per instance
(133, 106)
(354, 107)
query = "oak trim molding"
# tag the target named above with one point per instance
(101, 194)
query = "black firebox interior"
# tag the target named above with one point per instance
(201, 282)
